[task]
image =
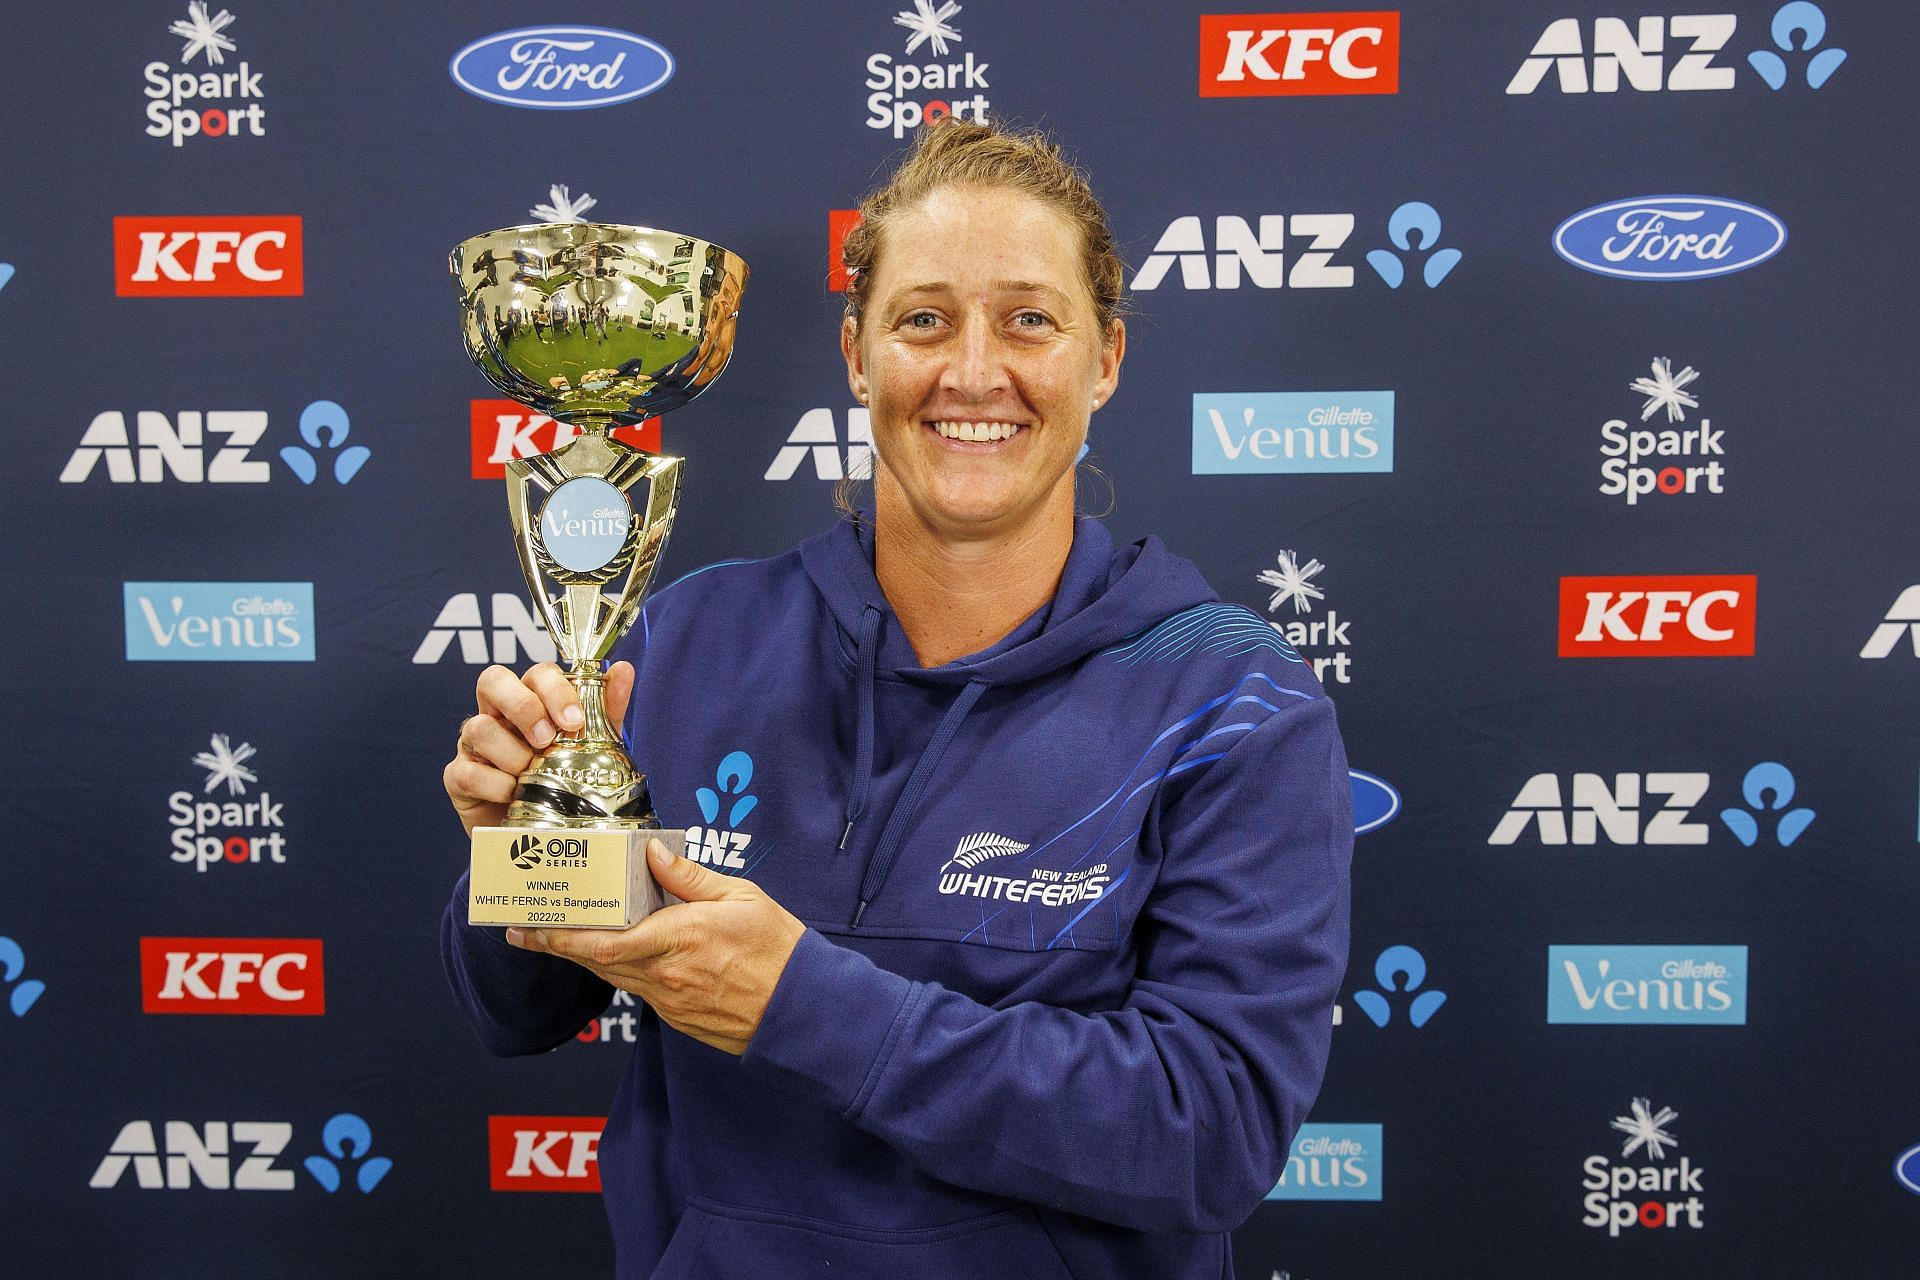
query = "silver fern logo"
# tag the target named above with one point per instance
(981, 847)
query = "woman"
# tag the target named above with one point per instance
(1031, 895)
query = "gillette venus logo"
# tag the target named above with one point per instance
(219, 621)
(1332, 1162)
(1701, 985)
(1292, 432)
(561, 68)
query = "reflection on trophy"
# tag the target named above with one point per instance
(596, 326)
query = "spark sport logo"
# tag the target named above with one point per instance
(230, 831)
(232, 976)
(218, 257)
(906, 94)
(1610, 1184)
(204, 102)
(1637, 465)
(502, 430)
(1289, 54)
(1293, 581)
(1686, 52)
(613, 1028)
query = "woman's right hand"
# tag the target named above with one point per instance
(518, 715)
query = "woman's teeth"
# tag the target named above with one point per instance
(977, 430)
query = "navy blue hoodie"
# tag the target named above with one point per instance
(1076, 909)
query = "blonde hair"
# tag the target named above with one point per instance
(966, 153)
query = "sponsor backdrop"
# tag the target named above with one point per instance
(1534, 368)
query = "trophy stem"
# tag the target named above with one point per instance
(584, 778)
(590, 683)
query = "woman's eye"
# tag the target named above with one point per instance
(923, 320)
(1032, 320)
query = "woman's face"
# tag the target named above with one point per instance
(980, 358)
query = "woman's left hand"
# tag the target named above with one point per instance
(707, 966)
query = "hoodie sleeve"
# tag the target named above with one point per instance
(1174, 1112)
(516, 1001)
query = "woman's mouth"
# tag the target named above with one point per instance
(978, 432)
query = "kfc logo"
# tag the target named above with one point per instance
(544, 1153)
(840, 223)
(1703, 616)
(232, 975)
(224, 257)
(502, 430)
(1295, 54)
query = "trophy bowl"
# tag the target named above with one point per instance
(594, 323)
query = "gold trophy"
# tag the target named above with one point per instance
(596, 326)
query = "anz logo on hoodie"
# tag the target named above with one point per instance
(721, 846)
(1049, 888)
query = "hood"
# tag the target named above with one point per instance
(1105, 595)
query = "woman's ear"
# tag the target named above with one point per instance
(850, 350)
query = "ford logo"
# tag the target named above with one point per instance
(1375, 802)
(561, 68)
(1669, 237)
(1907, 1169)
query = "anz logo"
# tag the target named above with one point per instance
(1652, 809)
(719, 846)
(1400, 971)
(1678, 53)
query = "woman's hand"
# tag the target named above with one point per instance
(708, 966)
(518, 716)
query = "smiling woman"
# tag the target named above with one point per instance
(1017, 952)
(982, 331)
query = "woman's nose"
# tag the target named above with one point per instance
(977, 367)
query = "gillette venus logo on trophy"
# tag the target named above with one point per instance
(596, 326)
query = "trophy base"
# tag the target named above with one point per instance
(565, 878)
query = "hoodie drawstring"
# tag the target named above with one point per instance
(867, 658)
(902, 817)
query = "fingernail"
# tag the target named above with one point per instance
(542, 734)
(657, 850)
(515, 937)
(573, 717)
